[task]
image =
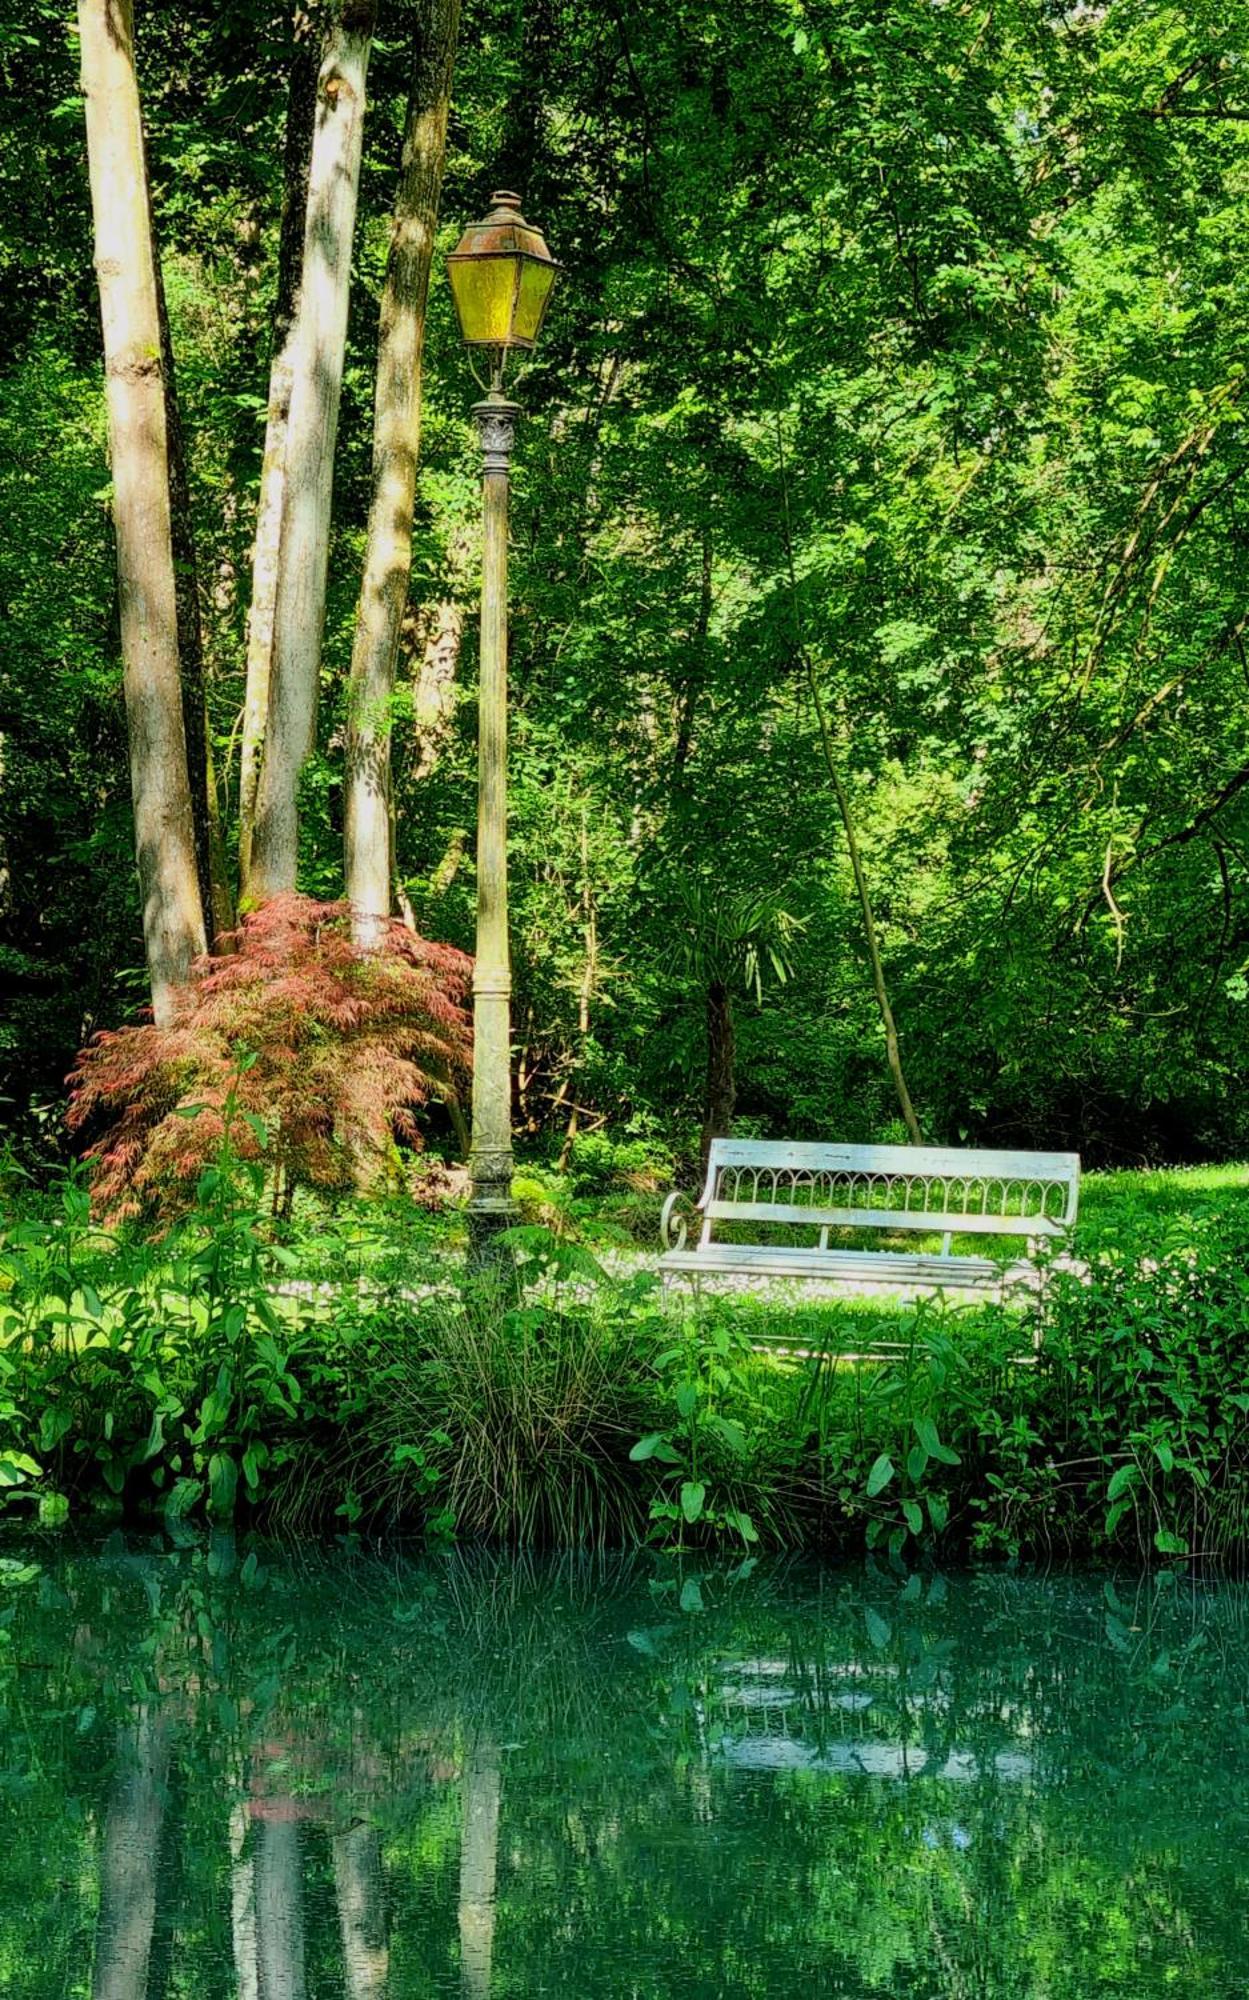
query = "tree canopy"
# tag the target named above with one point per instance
(899, 361)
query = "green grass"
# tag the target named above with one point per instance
(1137, 1214)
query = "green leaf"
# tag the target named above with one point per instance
(16, 1467)
(879, 1630)
(917, 1462)
(1164, 1455)
(926, 1432)
(53, 1425)
(1126, 1476)
(657, 1446)
(914, 1516)
(687, 1399)
(691, 1595)
(1168, 1544)
(223, 1479)
(938, 1512)
(880, 1475)
(693, 1495)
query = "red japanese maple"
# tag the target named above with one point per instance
(346, 1046)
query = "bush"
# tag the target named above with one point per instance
(328, 1051)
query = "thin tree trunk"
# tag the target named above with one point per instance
(698, 666)
(586, 985)
(279, 1895)
(359, 1890)
(308, 487)
(893, 1053)
(720, 1095)
(128, 1859)
(301, 114)
(214, 887)
(396, 443)
(481, 1786)
(173, 913)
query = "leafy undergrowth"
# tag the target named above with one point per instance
(351, 1376)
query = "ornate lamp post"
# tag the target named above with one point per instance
(501, 276)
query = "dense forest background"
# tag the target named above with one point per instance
(899, 361)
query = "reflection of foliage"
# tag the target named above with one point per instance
(913, 1788)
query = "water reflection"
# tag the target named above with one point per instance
(293, 1776)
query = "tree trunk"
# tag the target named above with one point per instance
(359, 1890)
(308, 485)
(481, 1787)
(129, 1857)
(214, 887)
(893, 1052)
(301, 113)
(720, 1095)
(173, 914)
(586, 984)
(697, 673)
(396, 442)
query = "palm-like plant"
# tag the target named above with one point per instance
(730, 941)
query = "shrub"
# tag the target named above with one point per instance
(341, 1049)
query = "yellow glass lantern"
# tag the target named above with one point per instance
(501, 275)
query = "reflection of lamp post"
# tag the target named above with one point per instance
(501, 277)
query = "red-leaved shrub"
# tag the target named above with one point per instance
(345, 1046)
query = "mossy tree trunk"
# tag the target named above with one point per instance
(173, 910)
(396, 443)
(301, 111)
(308, 480)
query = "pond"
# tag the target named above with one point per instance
(271, 1774)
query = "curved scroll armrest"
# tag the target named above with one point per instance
(675, 1218)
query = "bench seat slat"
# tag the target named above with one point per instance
(940, 1222)
(876, 1266)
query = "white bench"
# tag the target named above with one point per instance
(811, 1189)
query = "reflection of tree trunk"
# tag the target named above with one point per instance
(129, 1857)
(243, 1905)
(301, 111)
(279, 1911)
(173, 915)
(396, 442)
(720, 1094)
(359, 1888)
(312, 427)
(481, 1790)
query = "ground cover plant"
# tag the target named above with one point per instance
(345, 1372)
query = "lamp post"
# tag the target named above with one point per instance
(501, 275)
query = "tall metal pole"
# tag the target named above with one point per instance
(490, 1160)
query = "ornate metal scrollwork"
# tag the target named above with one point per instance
(675, 1218)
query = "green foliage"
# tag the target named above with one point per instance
(911, 339)
(700, 1462)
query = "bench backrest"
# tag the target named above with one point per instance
(953, 1190)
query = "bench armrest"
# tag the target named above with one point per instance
(677, 1214)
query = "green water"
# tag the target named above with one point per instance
(282, 1775)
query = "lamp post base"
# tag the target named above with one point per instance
(488, 1217)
